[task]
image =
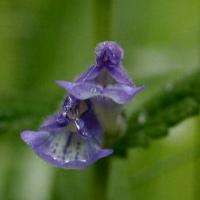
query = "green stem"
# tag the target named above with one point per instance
(100, 179)
(102, 31)
(102, 20)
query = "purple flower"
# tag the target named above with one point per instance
(108, 86)
(71, 139)
(107, 78)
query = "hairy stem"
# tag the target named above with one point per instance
(102, 31)
(100, 179)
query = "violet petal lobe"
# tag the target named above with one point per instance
(91, 126)
(120, 75)
(109, 52)
(119, 93)
(54, 121)
(81, 90)
(89, 74)
(64, 149)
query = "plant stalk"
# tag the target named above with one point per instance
(102, 20)
(102, 31)
(100, 179)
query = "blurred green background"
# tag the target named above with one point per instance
(45, 40)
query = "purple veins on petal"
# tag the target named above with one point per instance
(64, 149)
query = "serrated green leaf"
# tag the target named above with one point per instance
(172, 104)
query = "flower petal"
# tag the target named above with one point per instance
(108, 52)
(121, 94)
(54, 121)
(90, 74)
(81, 90)
(64, 149)
(120, 75)
(116, 71)
(92, 125)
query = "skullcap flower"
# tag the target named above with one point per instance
(73, 143)
(106, 78)
(74, 137)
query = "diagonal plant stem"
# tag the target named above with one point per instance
(169, 107)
